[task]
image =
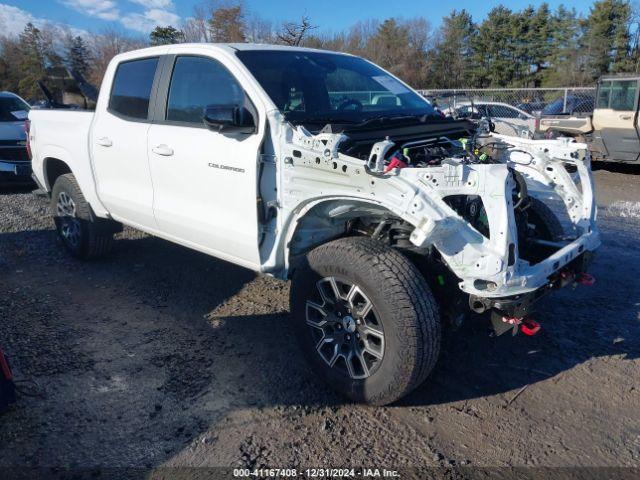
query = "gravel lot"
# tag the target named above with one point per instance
(161, 356)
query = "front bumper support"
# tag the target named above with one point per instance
(522, 305)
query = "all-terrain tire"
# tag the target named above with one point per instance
(91, 237)
(401, 300)
(545, 219)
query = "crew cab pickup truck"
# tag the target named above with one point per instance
(612, 131)
(323, 168)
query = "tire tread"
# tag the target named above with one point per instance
(96, 244)
(415, 312)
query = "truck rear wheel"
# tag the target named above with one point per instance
(366, 319)
(84, 235)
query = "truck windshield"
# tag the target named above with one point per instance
(13, 109)
(318, 88)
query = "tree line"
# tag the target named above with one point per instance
(532, 47)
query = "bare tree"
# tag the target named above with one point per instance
(293, 33)
(107, 45)
(195, 29)
(258, 30)
(227, 24)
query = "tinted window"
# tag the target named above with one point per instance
(132, 88)
(476, 113)
(13, 109)
(603, 95)
(464, 112)
(196, 83)
(482, 111)
(347, 86)
(623, 95)
(502, 111)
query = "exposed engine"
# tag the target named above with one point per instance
(461, 146)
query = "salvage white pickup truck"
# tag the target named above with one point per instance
(322, 168)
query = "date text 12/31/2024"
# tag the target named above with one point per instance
(315, 473)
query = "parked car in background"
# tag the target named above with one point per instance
(573, 104)
(15, 165)
(508, 120)
(531, 107)
(611, 129)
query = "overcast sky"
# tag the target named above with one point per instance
(140, 16)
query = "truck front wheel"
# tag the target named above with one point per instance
(366, 319)
(84, 235)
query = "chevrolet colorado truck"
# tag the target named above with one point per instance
(612, 131)
(322, 168)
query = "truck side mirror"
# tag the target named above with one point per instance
(229, 118)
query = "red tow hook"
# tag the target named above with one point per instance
(395, 163)
(585, 279)
(529, 327)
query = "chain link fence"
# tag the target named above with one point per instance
(513, 110)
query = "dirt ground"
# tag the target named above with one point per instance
(161, 356)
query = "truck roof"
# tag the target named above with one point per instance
(228, 47)
(620, 76)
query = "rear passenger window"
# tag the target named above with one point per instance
(623, 95)
(603, 95)
(196, 83)
(131, 89)
(502, 111)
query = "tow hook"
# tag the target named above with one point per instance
(502, 324)
(585, 279)
(529, 327)
(569, 277)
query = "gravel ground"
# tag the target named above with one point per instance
(161, 356)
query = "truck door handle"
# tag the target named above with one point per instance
(163, 150)
(104, 141)
(624, 117)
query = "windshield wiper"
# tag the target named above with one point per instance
(386, 117)
(322, 120)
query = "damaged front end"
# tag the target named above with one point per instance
(474, 208)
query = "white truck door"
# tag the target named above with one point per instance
(204, 181)
(119, 144)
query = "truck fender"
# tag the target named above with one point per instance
(51, 154)
(326, 219)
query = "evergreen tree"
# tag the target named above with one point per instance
(538, 37)
(31, 61)
(77, 55)
(565, 63)
(494, 50)
(450, 60)
(10, 58)
(388, 45)
(606, 38)
(166, 35)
